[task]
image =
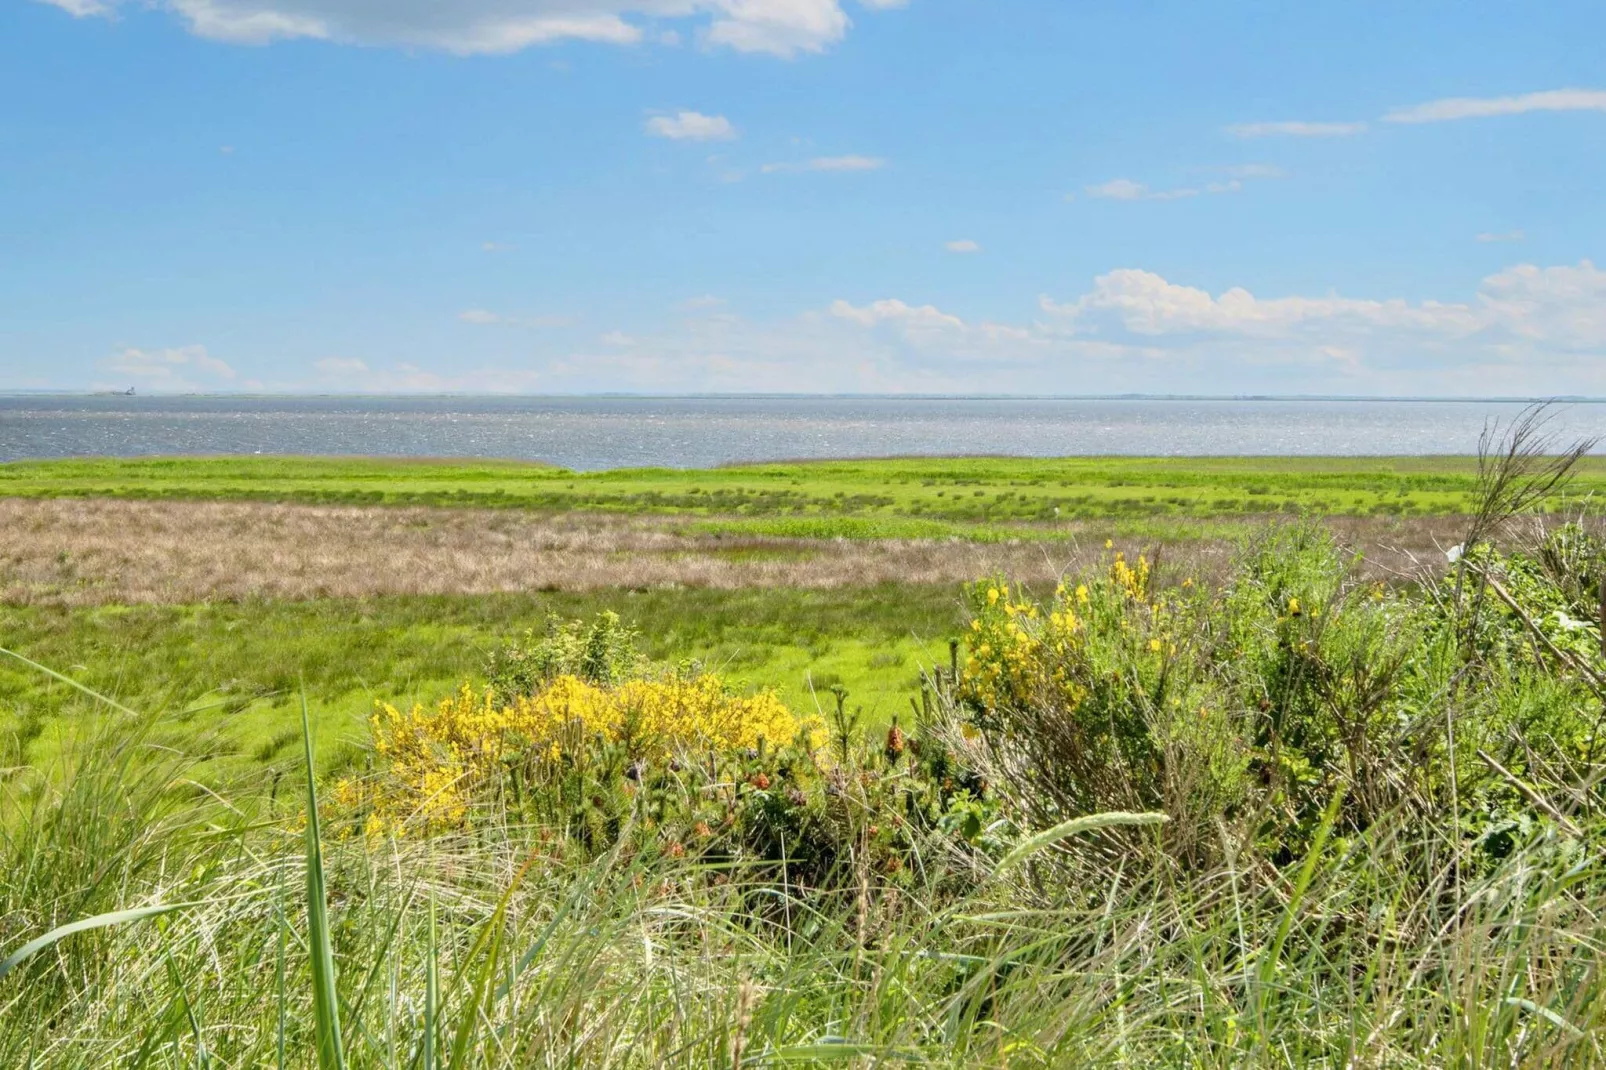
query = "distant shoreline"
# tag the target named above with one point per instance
(617, 396)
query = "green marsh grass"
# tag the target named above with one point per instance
(232, 673)
(924, 497)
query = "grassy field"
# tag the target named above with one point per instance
(1290, 819)
(856, 499)
(233, 673)
(208, 589)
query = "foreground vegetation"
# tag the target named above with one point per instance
(1289, 818)
(910, 498)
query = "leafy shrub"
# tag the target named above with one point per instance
(1099, 699)
(602, 653)
(1292, 683)
(670, 763)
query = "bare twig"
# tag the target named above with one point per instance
(1530, 794)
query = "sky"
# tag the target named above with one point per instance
(862, 196)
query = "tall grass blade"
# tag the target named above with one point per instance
(325, 1004)
(432, 992)
(278, 971)
(99, 921)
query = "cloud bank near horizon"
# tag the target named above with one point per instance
(1527, 330)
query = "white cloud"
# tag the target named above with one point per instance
(923, 317)
(963, 245)
(1295, 128)
(1144, 303)
(79, 9)
(691, 126)
(1124, 189)
(779, 27)
(495, 247)
(1438, 111)
(1526, 330)
(184, 368)
(1119, 189)
(1562, 305)
(828, 163)
(1510, 235)
(479, 317)
(468, 27)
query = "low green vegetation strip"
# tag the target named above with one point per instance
(931, 496)
(230, 674)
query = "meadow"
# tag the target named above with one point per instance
(235, 672)
(346, 763)
(1290, 819)
(891, 498)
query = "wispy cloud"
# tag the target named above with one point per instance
(179, 368)
(349, 374)
(1510, 235)
(484, 317)
(963, 245)
(691, 126)
(827, 163)
(1438, 111)
(1124, 189)
(80, 9)
(784, 28)
(1295, 128)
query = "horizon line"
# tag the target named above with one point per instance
(777, 395)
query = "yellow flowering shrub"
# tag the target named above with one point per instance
(1019, 649)
(436, 761)
(1096, 683)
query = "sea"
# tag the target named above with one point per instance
(591, 433)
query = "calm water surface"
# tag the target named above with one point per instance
(592, 433)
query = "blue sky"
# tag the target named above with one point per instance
(803, 195)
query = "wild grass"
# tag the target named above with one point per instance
(231, 673)
(98, 551)
(92, 552)
(928, 493)
(1338, 880)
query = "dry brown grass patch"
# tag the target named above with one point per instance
(93, 551)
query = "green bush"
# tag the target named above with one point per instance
(603, 652)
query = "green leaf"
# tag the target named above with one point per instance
(99, 921)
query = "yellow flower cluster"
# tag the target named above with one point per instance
(436, 760)
(1133, 582)
(1008, 640)
(1020, 651)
